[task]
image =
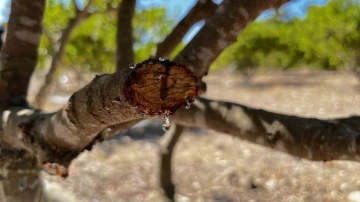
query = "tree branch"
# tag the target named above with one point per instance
(221, 30)
(166, 161)
(124, 37)
(45, 89)
(108, 100)
(201, 10)
(19, 54)
(309, 138)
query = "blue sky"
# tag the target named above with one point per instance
(178, 8)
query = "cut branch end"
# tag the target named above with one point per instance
(158, 87)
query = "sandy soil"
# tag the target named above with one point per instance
(210, 166)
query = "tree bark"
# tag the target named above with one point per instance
(201, 10)
(19, 54)
(124, 37)
(310, 138)
(46, 87)
(221, 30)
(108, 100)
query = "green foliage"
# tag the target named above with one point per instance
(327, 38)
(93, 42)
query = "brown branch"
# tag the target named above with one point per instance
(221, 30)
(108, 100)
(19, 54)
(309, 138)
(124, 37)
(201, 10)
(166, 161)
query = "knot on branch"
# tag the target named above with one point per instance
(52, 159)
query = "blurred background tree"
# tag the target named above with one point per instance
(99, 31)
(326, 38)
(81, 34)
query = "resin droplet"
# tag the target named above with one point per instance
(132, 66)
(188, 105)
(166, 125)
(161, 59)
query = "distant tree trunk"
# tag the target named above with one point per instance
(18, 58)
(124, 36)
(19, 54)
(166, 161)
(45, 89)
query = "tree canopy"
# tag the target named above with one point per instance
(91, 45)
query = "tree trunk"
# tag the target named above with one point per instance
(124, 37)
(45, 89)
(18, 56)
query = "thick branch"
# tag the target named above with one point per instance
(153, 87)
(221, 30)
(304, 137)
(124, 37)
(201, 10)
(19, 53)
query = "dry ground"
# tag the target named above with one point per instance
(215, 167)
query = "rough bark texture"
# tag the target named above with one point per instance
(124, 38)
(19, 54)
(201, 10)
(46, 87)
(108, 100)
(221, 30)
(310, 138)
